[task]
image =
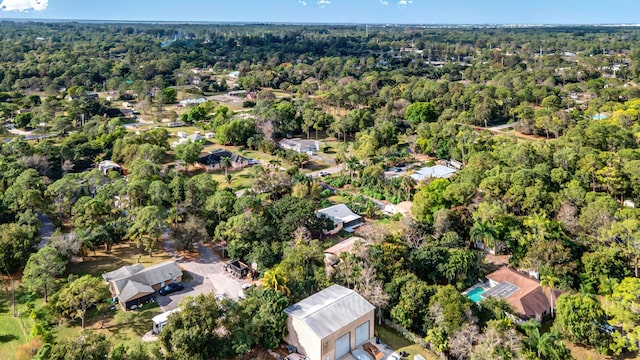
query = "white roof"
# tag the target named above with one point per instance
(437, 171)
(330, 310)
(339, 213)
(159, 319)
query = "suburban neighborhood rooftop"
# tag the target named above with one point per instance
(330, 309)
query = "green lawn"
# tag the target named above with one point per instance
(13, 333)
(241, 179)
(398, 342)
(121, 326)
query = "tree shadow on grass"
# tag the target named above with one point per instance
(7, 337)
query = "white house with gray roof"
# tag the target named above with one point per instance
(135, 284)
(330, 324)
(342, 217)
(300, 145)
(437, 171)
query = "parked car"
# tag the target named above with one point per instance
(361, 355)
(394, 356)
(173, 287)
(373, 350)
(324, 173)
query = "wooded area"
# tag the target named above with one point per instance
(544, 123)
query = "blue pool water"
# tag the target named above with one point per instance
(474, 294)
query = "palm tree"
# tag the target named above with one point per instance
(352, 164)
(605, 288)
(549, 282)
(546, 346)
(225, 163)
(228, 177)
(485, 232)
(275, 279)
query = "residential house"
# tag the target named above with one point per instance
(523, 293)
(108, 165)
(213, 160)
(403, 208)
(330, 324)
(343, 218)
(197, 101)
(135, 285)
(332, 254)
(300, 145)
(437, 171)
(88, 96)
(127, 113)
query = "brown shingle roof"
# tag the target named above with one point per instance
(530, 300)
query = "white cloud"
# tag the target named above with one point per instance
(302, 2)
(324, 2)
(23, 5)
(384, 2)
(403, 3)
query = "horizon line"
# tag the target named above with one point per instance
(294, 23)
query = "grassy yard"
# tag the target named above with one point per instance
(13, 331)
(120, 255)
(396, 341)
(120, 326)
(241, 179)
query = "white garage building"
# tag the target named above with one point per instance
(330, 324)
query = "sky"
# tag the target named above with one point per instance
(333, 11)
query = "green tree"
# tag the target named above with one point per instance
(41, 270)
(189, 152)
(275, 279)
(87, 346)
(577, 319)
(430, 199)
(546, 346)
(147, 226)
(267, 320)
(420, 112)
(485, 232)
(76, 298)
(194, 332)
(549, 283)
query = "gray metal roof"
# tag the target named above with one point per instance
(330, 310)
(339, 213)
(437, 171)
(501, 291)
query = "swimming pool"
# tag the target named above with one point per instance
(475, 294)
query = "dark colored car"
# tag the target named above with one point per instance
(173, 287)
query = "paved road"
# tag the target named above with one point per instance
(46, 229)
(505, 126)
(206, 276)
(331, 170)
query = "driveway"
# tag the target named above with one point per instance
(206, 275)
(46, 229)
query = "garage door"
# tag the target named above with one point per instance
(343, 345)
(362, 334)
